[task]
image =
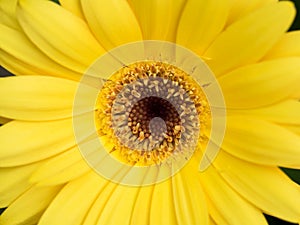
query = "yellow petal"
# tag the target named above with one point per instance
(288, 45)
(261, 142)
(73, 202)
(261, 84)
(248, 40)
(62, 36)
(294, 129)
(73, 6)
(296, 94)
(96, 209)
(112, 22)
(8, 21)
(226, 205)
(8, 13)
(212, 222)
(189, 198)
(9, 6)
(198, 14)
(16, 44)
(266, 187)
(140, 209)
(26, 142)
(60, 169)
(15, 66)
(36, 97)
(14, 181)
(122, 201)
(28, 208)
(158, 19)
(241, 8)
(162, 206)
(286, 112)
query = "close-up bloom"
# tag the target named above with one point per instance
(147, 112)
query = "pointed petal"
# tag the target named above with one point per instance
(226, 205)
(266, 187)
(36, 97)
(241, 8)
(26, 142)
(285, 112)
(261, 142)
(73, 6)
(56, 32)
(14, 181)
(158, 19)
(261, 84)
(29, 207)
(287, 46)
(112, 22)
(16, 44)
(73, 202)
(60, 169)
(198, 14)
(248, 40)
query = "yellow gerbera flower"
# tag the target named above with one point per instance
(109, 129)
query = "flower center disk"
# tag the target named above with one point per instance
(150, 112)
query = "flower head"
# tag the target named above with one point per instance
(149, 112)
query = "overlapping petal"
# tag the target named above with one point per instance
(14, 181)
(50, 138)
(261, 142)
(21, 49)
(99, 203)
(16, 66)
(36, 98)
(250, 38)
(277, 196)
(119, 200)
(224, 202)
(8, 13)
(80, 193)
(28, 208)
(162, 196)
(287, 46)
(239, 8)
(112, 22)
(61, 169)
(73, 6)
(258, 69)
(194, 15)
(285, 112)
(261, 84)
(62, 36)
(189, 198)
(158, 19)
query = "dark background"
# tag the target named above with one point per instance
(293, 174)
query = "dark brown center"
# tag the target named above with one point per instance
(156, 117)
